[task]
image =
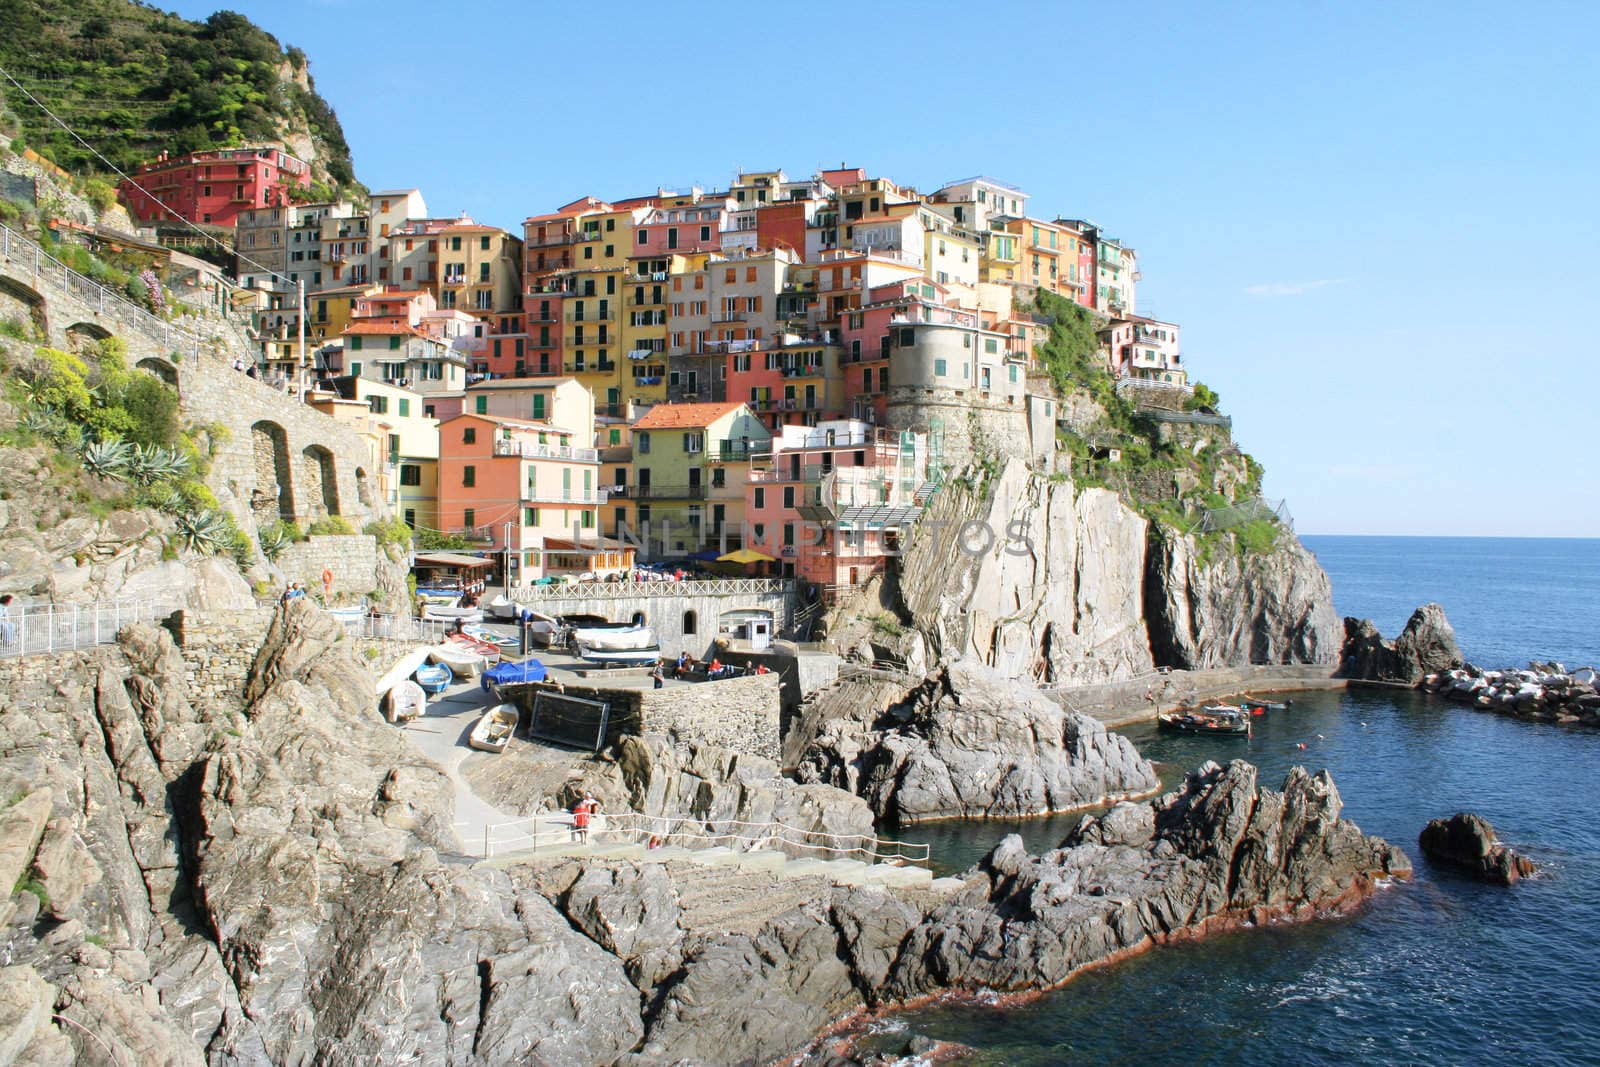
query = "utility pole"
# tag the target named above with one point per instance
(302, 376)
(508, 560)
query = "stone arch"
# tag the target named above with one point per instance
(85, 335)
(320, 486)
(273, 497)
(363, 488)
(161, 368)
(19, 298)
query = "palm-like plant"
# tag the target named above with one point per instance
(207, 532)
(157, 463)
(110, 458)
(164, 498)
(273, 540)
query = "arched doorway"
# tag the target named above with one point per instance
(161, 368)
(82, 336)
(273, 497)
(320, 486)
(691, 624)
(363, 488)
(23, 302)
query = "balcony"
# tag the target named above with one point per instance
(660, 492)
(602, 367)
(561, 237)
(813, 371)
(728, 316)
(535, 450)
(581, 340)
(575, 497)
(739, 452)
(477, 534)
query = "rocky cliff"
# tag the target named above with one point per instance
(1043, 580)
(1426, 645)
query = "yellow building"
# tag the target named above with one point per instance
(591, 335)
(402, 444)
(480, 270)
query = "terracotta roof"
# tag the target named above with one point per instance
(676, 416)
(542, 382)
(515, 424)
(388, 330)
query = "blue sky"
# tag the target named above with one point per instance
(1376, 223)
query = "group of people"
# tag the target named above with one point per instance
(247, 371)
(686, 665)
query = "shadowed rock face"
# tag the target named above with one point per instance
(1426, 645)
(1468, 842)
(968, 741)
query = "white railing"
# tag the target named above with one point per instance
(397, 627)
(628, 590)
(637, 828)
(40, 629)
(17, 248)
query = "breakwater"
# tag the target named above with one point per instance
(1544, 692)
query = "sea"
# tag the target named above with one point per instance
(1440, 970)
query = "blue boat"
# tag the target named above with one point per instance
(509, 673)
(434, 678)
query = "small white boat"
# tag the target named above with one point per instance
(492, 733)
(406, 701)
(477, 646)
(619, 655)
(434, 678)
(464, 662)
(616, 639)
(503, 607)
(452, 613)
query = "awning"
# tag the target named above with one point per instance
(745, 555)
(451, 559)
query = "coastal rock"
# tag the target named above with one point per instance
(970, 741)
(1426, 645)
(1271, 607)
(1468, 842)
(1222, 851)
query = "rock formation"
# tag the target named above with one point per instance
(1426, 645)
(969, 741)
(1274, 607)
(1468, 842)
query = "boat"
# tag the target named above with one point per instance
(434, 678)
(493, 732)
(614, 638)
(1251, 704)
(477, 645)
(462, 661)
(503, 607)
(541, 628)
(513, 673)
(452, 613)
(1213, 720)
(504, 642)
(405, 701)
(619, 655)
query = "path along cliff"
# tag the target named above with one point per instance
(280, 884)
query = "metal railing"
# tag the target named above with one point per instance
(736, 835)
(45, 267)
(40, 629)
(631, 590)
(396, 627)
(536, 450)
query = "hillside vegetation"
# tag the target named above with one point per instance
(134, 81)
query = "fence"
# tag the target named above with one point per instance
(629, 590)
(396, 627)
(15, 246)
(40, 629)
(553, 831)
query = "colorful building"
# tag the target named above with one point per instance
(403, 442)
(690, 464)
(213, 187)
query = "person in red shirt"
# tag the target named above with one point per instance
(581, 811)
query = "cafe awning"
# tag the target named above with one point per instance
(451, 559)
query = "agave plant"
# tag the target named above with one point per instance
(110, 458)
(164, 498)
(207, 532)
(273, 540)
(157, 463)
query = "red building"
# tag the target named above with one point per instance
(213, 187)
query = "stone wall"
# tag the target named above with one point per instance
(966, 425)
(218, 649)
(741, 714)
(353, 558)
(667, 613)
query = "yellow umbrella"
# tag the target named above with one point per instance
(745, 555)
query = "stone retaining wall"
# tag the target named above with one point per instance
(1140, 699)
(353, 558)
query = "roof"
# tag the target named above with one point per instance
(675, 416)
(515, 424)
(395, 192)
(384, 330)
(986, 180)
(451, 559)
(599, 544)
(520, 383)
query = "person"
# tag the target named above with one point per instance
(8, 629)
(762, 668)
(238, 364)
(656, 676)
(581, 811)
(684, 662)
(251, 372)
(327, 583)
(715, 670)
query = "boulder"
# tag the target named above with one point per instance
(21, 827)
(970, 741)
(1467, 842)
(1426, 645)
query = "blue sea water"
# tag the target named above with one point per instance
(1441, 970)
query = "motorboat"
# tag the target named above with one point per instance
(1224, 720)
(434, 678)
(1254, 706)
(493, 732)
(651, 654)
(627, 638)
(503, 607)
(405, 701)
(462, 661)
(513, 673)
(487, 649)
(452, 613)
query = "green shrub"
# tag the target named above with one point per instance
(333, 524)
(29, 884)
(392, 532)
(16, 329)
(1257, 537)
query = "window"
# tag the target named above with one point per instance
(469, 518)
(718, 477)
(586, 519)
(538, 406)
(394, 344)
(760, 499)
(469, 436)
(694, 442)
(690, 623)
(705, 233)
(455, 244)
(355, 346)
(788, 498)
(483, 242)
(788, 534)
(355, 369)
(643, 441)
(615, 437)
(469, 476)
(530, 516)
(991, 345)
(379, 405)
(908, 337)
(939, 368)
(482, 406)
(410, 474)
